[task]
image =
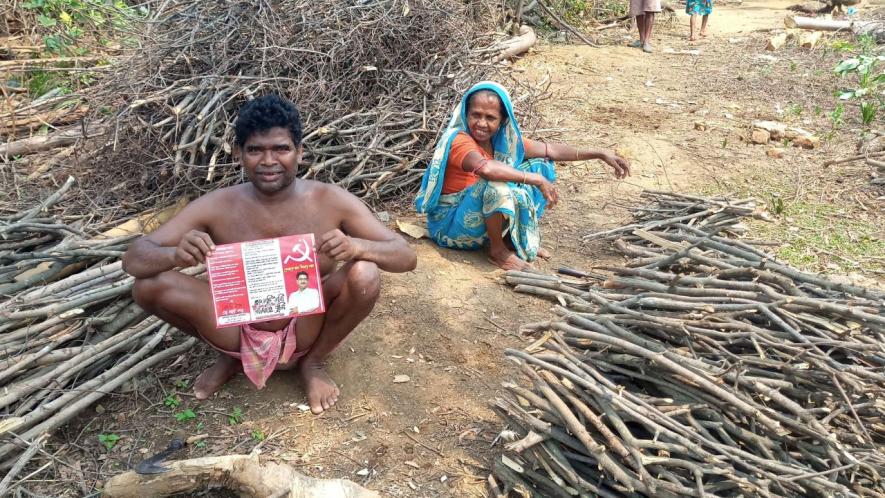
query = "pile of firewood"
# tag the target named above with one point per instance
(702, 368)
(375, 82)
(69, 330)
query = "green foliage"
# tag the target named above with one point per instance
(836, 115)
(579, 12)
(181, 383)
(172, 401)
(867, 83)
(184, 416)
(257, 435)
(200, 444)
(108, 440)
(40, 82)
(236, 416)
(65, 22)
(776, 205)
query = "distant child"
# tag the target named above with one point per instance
(696, 8)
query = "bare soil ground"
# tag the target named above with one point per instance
(446, 324)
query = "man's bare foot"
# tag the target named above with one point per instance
(506, 260)
(322, 392)
(215, 376)
(544, 253)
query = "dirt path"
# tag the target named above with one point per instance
(446, 324)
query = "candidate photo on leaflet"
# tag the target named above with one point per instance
(353, 247)
(305, 299)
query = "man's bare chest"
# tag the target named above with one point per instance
(244, 223)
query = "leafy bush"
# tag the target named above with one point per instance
(867, 84)
(66, 23)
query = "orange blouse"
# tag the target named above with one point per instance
(456, 178)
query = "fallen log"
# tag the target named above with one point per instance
(240, 473)
(20, 124)
(41, 143)
(818, 24)
(518, 44)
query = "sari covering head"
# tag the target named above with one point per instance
(458, 220)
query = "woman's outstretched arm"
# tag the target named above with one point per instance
(563, 152)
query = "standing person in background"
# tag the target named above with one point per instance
(644, 11)
(696, 8)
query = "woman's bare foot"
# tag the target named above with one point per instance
(692, 38)
(703, 33)
(322, 392)
(215, 376)
(506, 260)
(544, 253)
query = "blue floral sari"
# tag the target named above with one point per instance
(457, 220)
(699, 7)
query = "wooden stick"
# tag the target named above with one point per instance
(565, 25)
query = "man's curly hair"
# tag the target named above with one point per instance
(266, 112)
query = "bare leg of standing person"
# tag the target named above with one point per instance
(649, 23)
(693, 24)
(640, 26)
(704, 26)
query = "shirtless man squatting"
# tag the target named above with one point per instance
(352, 247)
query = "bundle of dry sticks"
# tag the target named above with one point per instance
(702, 368)
(374, 80)
(69, 330)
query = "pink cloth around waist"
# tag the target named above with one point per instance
(640, 7)
(261, 351)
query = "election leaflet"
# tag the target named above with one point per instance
(265, 280)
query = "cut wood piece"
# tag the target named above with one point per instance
(794, 34)
(809, 39)
(776, 42)
(760, 136)
(518, 44)
(47, 142)
(243, 474)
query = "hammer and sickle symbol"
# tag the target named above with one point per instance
(301, 252)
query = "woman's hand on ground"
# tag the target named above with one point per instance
(619, 164)
(193, 249)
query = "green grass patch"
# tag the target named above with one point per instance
(820, 236)
(836, 237)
